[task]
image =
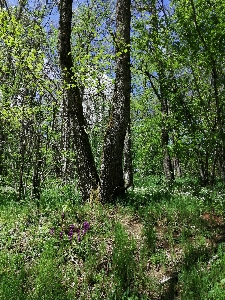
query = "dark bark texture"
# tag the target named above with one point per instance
(85, 166)
(112, 180)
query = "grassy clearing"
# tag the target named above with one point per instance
(158, 243)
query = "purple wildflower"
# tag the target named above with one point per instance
(52, 230)
(78, 236)
(72, 227)
(70, 235)
(61, 234)
(86, 226)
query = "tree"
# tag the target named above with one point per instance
(21, 62)
(111, 181)
(153, 60)
(85, 165)
(28, 103)
(199, 44)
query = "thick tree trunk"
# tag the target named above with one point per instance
(112, 176)
(112, 180)
(85, 166)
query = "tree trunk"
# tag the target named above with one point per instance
(36, 178)
(2, 146)
(167, 162)
(204, 168)
(177, 168)
(65, 142)
(21, 189)
(85, 166)
(112, 177)
(112, 181)
(128, 168)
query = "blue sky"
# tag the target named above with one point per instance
(53, 15)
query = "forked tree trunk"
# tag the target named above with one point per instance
(85, 166)
(112, 180)
(112, 177)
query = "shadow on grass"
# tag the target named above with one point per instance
(136, 199)
(194, 257)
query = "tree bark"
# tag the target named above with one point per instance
(36, 178)
(167, 162)
(128, 166)
(85, 166)
(112, 181)
(2, 146)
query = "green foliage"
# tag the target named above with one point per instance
(150, 237)
(178, 57)
(58, 194)
(47, 277)
(205, 280)
(123, 262)
(13, 277)
(146, 135)
(69, 250)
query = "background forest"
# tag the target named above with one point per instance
(177, 98)
(112, 149)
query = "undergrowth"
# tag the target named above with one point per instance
(159, 242)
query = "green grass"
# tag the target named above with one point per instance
(158, 242)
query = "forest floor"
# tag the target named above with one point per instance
(158, 242)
